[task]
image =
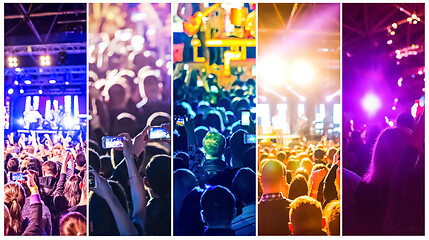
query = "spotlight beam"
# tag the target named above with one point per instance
(292, 15)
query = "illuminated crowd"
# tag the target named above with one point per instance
(129, 93)
(299, 188)
(214, 164)
(383, 177)
(45, 189)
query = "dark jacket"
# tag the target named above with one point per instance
(214, 166)
(158, 217)
(60, 202)
(219, 232)
(329, 189)
(47, 187)
(311, 233)
(273, 216)
(45, 224)
(34, 227)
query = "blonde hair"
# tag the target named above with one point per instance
(14, 198)
(73, 224)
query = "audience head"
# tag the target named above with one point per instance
(331, 154)
(94, 160)
(298, 187)
(273, 173)
(214, 144)
(405, 120)
(332, 215)
(237, 148)
(158, 175)
(319, 154)
(80, 160)
(73, 224)
(281, 156)
(13, 165)
(49, 168)
(243, 185)
(72, 190)
(387, 151)
(14, 198)
(218, 207)
(306, 217)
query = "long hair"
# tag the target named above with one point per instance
(6, 220)
(14, 198)
(73, 224)
(72, 190)
(387, 151)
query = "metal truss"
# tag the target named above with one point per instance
(75, 69)
(45, 49)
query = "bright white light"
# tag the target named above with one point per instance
(283, 99)
(21, 91)
(68, 122)
(52, 81)
(394, 108)
(302, 99)
(159, 63)
(27, 82)
(400, 82)
(21, 121)
(389, 41)
(45, 60)
(371, 103)
(40, 91)
(67, 83)
(301, 109)
(272, 70)
(16, 82)
(13, 62)
(414, 109)
(263, 111)
(10, 91)
(200, 83)
(302, 72)
(396, 99)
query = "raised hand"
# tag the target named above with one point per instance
(103, 188)
(128, 146)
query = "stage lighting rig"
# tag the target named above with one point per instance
(45, 60)
(13, 62)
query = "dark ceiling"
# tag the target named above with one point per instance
(39, 23)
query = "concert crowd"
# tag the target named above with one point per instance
(129, 95)
(383, 177)
(214, 155)
(299, 188)
(45, 185)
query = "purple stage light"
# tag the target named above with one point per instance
(371, 103)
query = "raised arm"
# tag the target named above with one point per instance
(138, 193)
(123, 221)
(190, 131)
(35, 221)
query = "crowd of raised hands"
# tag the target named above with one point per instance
(45, 185)
(136, 195)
